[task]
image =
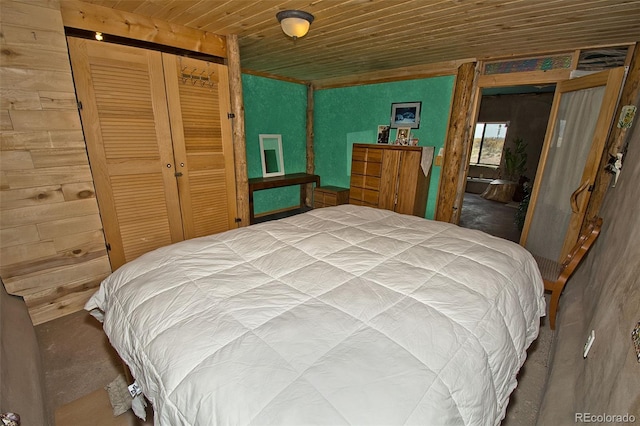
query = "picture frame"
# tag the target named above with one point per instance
(271, 155)
(402, 135)
(383, 133)
(406, 114)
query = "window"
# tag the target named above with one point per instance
(488, 142)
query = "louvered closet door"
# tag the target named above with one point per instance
(125, 120)
(198, 98)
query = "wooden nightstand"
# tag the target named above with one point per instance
(327, 196)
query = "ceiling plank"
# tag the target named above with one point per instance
(354, 37)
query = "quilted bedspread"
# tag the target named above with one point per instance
(342, 315)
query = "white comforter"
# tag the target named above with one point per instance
(343, 315)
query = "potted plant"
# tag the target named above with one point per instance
(521, 213)
(515, 162)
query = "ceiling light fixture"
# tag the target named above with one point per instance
(99, 36)
(294, 23)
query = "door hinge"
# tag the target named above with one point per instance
(108, 247)
(237, 220)
(231, 115)
(79, 105)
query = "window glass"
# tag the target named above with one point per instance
(488, 142)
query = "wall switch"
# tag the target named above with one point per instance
(587, 345)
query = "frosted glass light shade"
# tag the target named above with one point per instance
(294, 23)
(295, 27)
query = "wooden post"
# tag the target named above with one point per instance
(616, 141)
(451, 186)
(310, 154)
(239, 137)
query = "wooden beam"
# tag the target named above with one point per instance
(456, 146)
(239, 137)
(524, 78)
(618, 138)
(397, 74)
(273, 76)
(85, 16)
(310, 153)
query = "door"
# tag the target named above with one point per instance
(579, 124)
(391, 159)
(126, 125)
(413, 186)
(198, 99)
(159, 145)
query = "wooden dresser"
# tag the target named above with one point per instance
(327, 196)
(390, 177)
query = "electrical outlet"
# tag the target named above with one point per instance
(587, 345)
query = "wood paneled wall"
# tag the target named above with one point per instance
(52, 248)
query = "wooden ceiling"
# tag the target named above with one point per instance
(354, 37)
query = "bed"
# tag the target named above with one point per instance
(341, 315)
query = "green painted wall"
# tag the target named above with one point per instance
(275, 107)
(342, 117)
(345, 116)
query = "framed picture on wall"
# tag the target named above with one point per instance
(406, 114)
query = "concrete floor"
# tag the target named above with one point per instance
(77, 357)
(492, 217)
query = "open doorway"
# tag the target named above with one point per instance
(514, 119)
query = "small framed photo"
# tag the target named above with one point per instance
(402, 135)
(406, 114)
(383, 133)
